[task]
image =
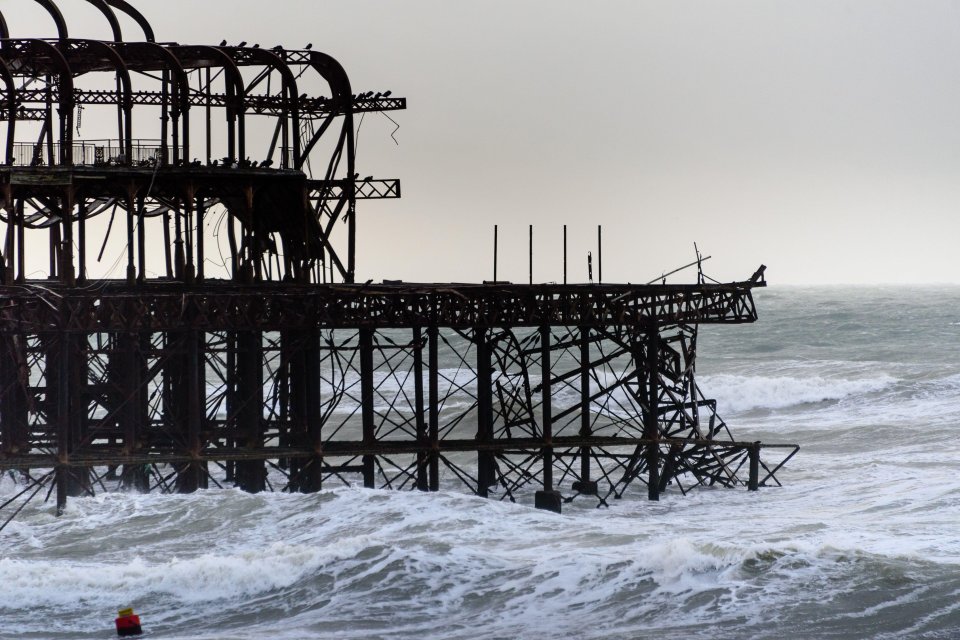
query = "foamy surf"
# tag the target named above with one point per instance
(860, 542)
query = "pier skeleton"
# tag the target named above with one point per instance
(284, 374)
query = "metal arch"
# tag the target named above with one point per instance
(54, 12)
(4, 30)
(126, 133)
(336, 77)
(339, 82)
(271, 59)
(181, 103)
(111, 18)
(234, 110)
(66, 91)
(137, 17)
(11, 107)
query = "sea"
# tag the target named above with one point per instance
(861, 541)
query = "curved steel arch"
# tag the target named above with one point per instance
(126, 131)
(54, 12)
(271, 59)
(111, 17)
(235, 109)
(137, 17)
(28, 49)
(4, 29)
(336, 77)
(181, 97)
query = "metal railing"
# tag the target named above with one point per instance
(92, 153)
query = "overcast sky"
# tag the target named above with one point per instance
(818, 137)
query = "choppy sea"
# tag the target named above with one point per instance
(862, 541)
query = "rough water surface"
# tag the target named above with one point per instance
(860, 542)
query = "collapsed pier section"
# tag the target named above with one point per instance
(512, 391)
(227, 343)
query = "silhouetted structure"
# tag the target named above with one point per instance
(274, 376)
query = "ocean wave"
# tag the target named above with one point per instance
(744, 393)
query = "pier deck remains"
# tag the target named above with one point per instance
(279, 372)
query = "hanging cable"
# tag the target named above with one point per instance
(396, 127)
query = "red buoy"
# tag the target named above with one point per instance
(128, 624)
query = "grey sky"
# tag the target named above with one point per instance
(818, 137)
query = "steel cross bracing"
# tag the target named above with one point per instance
(273, 375)
(592, 394)
(258, 104)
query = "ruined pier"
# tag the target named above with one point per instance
(278, 371)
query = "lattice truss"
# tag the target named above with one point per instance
(497, 412)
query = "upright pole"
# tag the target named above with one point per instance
(586, 485)
(546, 407)
(434, 400)
(651, 420)
(754, 453)
(599, 254)
(548, 498)
(82, 238)
(494, 253)
(485, 466)
(422, 437)
(531, 254)
(366, 404)
(564, 254)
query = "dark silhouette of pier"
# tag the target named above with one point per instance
(281, 372)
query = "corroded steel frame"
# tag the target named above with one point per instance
(276, 377)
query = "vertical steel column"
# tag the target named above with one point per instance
(433, 413)
(131, 268)
(313, 384)
(67, 274)
(82, 238)
(251, 474)
(366, 404)
(546, 394)
(201, 210)
(130, 372)
(58, 411)
(208, 112)
(194, 474)
(486, 472)
(422, 441)
(141, 240)
(21, 243)
(14, 434)
(651, 417)
(548, 498)
(10, 247)
(753, 484)
(585, 484)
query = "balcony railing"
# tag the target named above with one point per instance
(93, 153)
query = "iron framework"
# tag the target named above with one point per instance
(284, 374)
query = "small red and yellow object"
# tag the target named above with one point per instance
(128, 624)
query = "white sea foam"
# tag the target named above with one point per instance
(860, 540)
(735, 393)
